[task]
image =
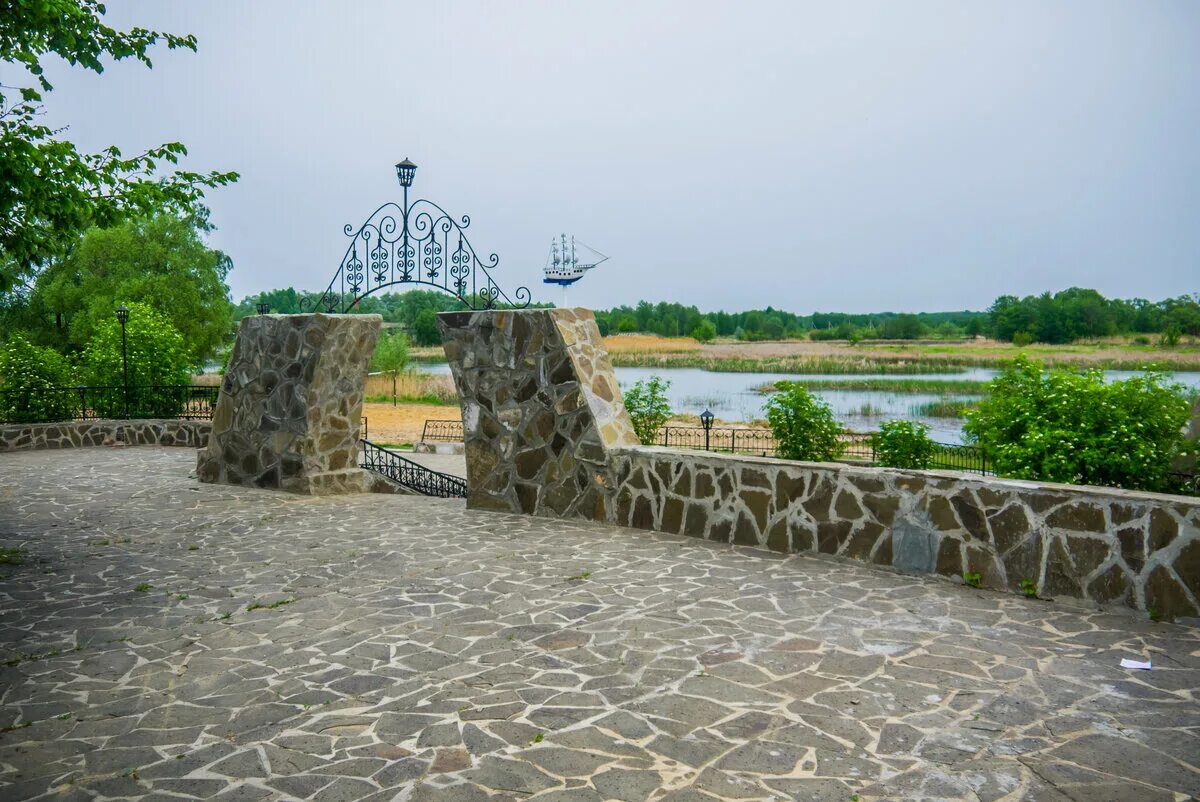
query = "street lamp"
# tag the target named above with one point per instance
(706, 420)
(123, 316)
(405, 171)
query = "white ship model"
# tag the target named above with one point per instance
(566, 264)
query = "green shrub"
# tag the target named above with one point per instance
(903, 444)
(646, 402)
(1069, 426)
(32, 379)
(803, 424)
(1022, 339)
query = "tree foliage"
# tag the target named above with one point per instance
(49, 190)
(903, 444)
(391, 353)
(425, 330)
(804, 425)
(1071, 426)
(648, 407)
(705, 331)
(29, 378)
(161, 261)
(1079, 313)
(156, 351)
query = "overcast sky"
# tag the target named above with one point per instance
(855, 156)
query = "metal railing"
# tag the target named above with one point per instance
(857, 447)
(410, 474)
(187, 401)
(442, 431)
(760, 442)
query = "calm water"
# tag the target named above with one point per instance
(731, 396)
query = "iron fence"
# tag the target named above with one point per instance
(442, 431)
(857, 446)
(410, 474)
(187, 401)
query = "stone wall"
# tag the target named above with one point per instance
(289, 412)
(79, 434)
(1140, 550)
(547, 434)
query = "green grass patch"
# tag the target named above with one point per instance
(428, 398)
(11, 556)
(271, 606)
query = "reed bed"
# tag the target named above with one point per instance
(944, 408)
(411, 387)
(799, 365)
(908, 386)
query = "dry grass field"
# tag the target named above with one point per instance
(905, 356)
(412, 386)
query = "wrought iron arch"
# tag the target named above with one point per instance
(417, 243)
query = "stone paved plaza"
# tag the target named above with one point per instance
(166, 639)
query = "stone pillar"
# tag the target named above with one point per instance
(541, 408)
(290, 406)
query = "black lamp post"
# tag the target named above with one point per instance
(123, 316)
(706, 420)
(405, 171)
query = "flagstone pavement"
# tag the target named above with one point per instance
(163, 639)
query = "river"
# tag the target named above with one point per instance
(732, 397)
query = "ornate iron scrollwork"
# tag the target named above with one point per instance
(418, 243)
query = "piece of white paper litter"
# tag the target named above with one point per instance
(1127, 663)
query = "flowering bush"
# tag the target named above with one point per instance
(32, 382)
(803, 425)
(1072, 426)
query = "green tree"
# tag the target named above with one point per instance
(903, 444)
(646, 402)
(49, 191)
(391, 356)
(803, 424)
(157, 354)
(162, 262)
(705, 332)
(425, 330)
(1068, 426)
(33, 382)
(902, 327)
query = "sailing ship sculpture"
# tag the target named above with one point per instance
(566, 264)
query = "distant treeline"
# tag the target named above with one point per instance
(1077, 313)
(672, 319)
(1061, 317)
(414, 311)
(1051, 318)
